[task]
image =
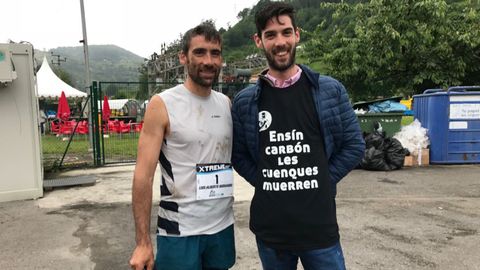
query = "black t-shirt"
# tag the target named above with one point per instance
(293, 207)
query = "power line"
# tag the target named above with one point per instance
(58, 60)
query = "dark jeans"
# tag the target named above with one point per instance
(317, 259)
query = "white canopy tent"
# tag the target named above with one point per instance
(50, 86)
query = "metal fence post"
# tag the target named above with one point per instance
(91, 131)
(101, 134)
(96, 125)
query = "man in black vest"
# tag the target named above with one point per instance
(295, 137)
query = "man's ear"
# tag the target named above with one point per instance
(182, 57)
(258, 41)
(297, 35)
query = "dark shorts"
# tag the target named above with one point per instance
(215, 251)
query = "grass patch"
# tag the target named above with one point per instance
(52, 145)
(114, 144)
(118, 148)
(121, 146)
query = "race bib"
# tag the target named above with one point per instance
(214, 181)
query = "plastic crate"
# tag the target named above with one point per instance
(452, 119)
(390, 122)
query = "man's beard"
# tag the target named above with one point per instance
(280, 66)
(194, 74)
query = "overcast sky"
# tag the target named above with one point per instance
(139, 26)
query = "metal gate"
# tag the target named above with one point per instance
(65, 143)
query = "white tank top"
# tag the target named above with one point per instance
(200, 132)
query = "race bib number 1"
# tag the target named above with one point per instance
(214, 180)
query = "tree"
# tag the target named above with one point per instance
(399, 46)
(63, 75)
(243, 14)
(142, 93)
(111, 90)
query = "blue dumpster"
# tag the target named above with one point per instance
(452, 118)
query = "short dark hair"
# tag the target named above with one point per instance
(206, 29)
(270, 10)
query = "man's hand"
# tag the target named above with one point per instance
(142, 258)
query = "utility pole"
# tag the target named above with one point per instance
(58, 60)
(88, 82)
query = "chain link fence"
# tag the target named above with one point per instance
(67, 144)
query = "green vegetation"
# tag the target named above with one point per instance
(53, 148)
(115, 144)
(52, 145)
(237, 39)
(378, 47)
(385, 48)
(63, 75)
(124, 145)
(107, 63)
(118, 147)
(374, 47)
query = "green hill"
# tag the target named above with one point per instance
(237, 39)
(112, 63)
(107, 63)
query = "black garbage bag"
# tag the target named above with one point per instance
(394, 153)
(382, 154)
(375, 139)
(374, 160)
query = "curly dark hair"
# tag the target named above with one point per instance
(270, 10)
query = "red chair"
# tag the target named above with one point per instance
(124, 128)
(66, 127)
(54, 127)
(82, 127)
(137, 127)
(113, 126)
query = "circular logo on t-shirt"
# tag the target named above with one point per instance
(264, 120)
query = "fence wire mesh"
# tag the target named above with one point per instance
(65, 141)
(118, 134)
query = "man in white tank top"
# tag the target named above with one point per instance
(188, 130)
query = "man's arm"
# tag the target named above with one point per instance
(353, 145)
(154, 129)
(242, 161)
